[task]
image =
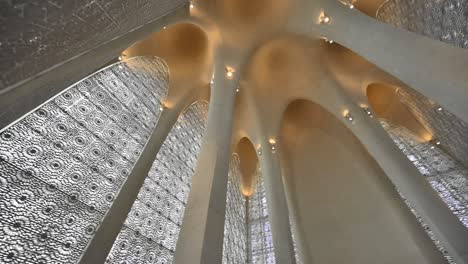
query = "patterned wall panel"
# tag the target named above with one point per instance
(235, 223)
(448, 178)
(261, 250)
(444, 20)
(152, 227)
(447, 128)
(62, 165)
(36, 35)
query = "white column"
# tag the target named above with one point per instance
(401, 171)
(278, 213)
(201, 236)
(103, 240)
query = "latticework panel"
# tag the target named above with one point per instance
(152, 227)
(449, 130)
(36, 35)
(443, 20)
(261, 250)
(235, 224)
(448, 178)
(62, 165)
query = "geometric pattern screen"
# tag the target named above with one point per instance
(261, 250)
(62, 165)
(235, 225)
(443, 20)
(150, 232)
(446, 175)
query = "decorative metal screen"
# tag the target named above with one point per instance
(62, 165)
(36, 34)
(235, 224)
(261, 250)
(443, 20)
(450, 131)
(296, 250)
(152, 227)
(446, 175)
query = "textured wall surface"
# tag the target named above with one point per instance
(446, 127)
(36, 35)
(235, 224)
(448, 178)
(444, 20)
(62, 165)
(261, 249)
(152, 227)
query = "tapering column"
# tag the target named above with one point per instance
(201, 236)
(434, 68)
(278, 213)
(401, 172)
(103, 240)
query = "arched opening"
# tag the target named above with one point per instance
(386, 104)
(342, 199)
(185, 47)
(248, 165)
(439, 157)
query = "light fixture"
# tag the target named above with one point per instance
(162, 107)
(120, 58)
(191, 5)
(440, 109)
(237, 89)
(230, 72)
(323, 18)
(259, 150)
(212, 81)
(164, 27)
(348, 115)
(351, 6)
(367, 110)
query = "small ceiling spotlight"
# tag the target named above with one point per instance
(323, 18)
(164, 27)
(237, 90)
(120, 58)
(162, 107)
(440, 109)
(348, 3)
(230, 72)
(348, 116)
(432, 147)
(272, 142)
(259, 150)
(367, 110)
(212, 81)
(192, 5)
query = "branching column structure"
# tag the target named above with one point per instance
(407, 56)
(401, 172)
(201, 237)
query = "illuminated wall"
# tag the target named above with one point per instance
(152, 227)
(62, 165)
